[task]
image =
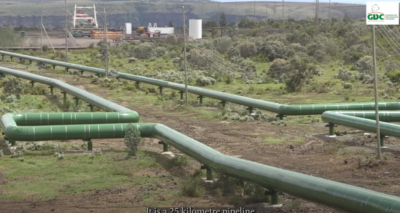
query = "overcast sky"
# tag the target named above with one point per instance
(341, 1)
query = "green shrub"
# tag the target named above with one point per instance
(193, 188)
(132, 139)
(394, 76)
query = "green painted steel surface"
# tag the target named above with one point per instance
(387, 116)
(366, 122)
(58, 118)
(317, 109)
(19, 126)
(308, 109)
(81, 94)
(334, 194)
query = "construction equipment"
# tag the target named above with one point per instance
(151, 30)
(84, 20)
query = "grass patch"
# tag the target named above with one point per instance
(45, 177)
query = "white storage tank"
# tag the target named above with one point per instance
(195, 28)
(128, 28)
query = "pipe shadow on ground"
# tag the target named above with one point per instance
(168, 164)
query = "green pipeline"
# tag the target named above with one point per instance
(337, 195)
(51, 126)
(81, 94)
(334, 194)
(365, 120)
(280, 109)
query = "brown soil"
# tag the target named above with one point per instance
(317, 156)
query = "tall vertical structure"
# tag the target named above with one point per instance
(41, 27)
(184, 53)
(79, 15)
(329, 14)
(283, 12)
(316, 22)
(66, 34)
(106, 43)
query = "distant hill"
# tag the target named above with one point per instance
(140, 13)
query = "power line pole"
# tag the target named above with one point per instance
(274, 10)
(378, 133)
(41, 27)
(66, 36)
(237, 23)
(106, 43)
(254, 5)
(316, 22)
(283, 12)
(184, 54)
(329, 16)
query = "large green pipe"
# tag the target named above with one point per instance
(281, 109)
(95, 125)
(337, 195)
(334, 194)
(81, 94)
(58, 118)
(365, 121)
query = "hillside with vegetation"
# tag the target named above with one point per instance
(336, 60)
(141, 13)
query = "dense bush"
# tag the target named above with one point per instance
(299, 37)
(394, 76)
(247, 49)
(365, 65)
(197, 58)
(275, 49)
(279, 69)
(391, 65)
(12, 86)
(222, 44)
(144, 50)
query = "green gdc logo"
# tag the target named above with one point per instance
(375, 15)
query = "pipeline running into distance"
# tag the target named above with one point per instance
(280, 109)
(337, 195)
